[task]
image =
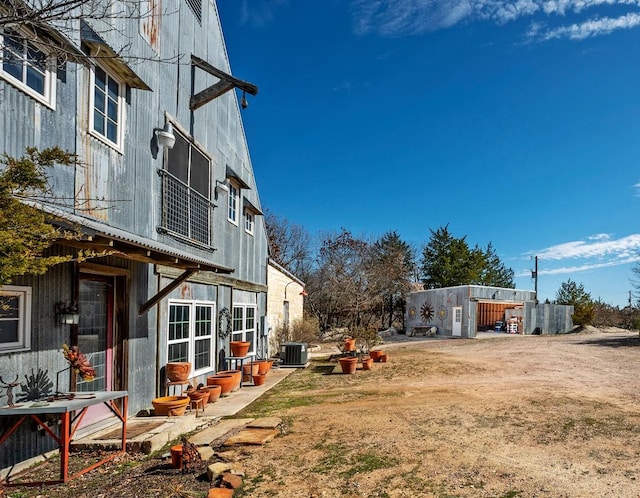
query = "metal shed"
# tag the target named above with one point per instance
(465, 310)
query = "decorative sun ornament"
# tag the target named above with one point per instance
(426, 312)
(412, 312)
(443, 312)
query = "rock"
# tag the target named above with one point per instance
(217, 469)
(206, 452)
(231, 480)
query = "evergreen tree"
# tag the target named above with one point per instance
(574, 294)
(448, 261)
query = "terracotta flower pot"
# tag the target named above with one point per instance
(376, 354)
(226, 383)
(177, 371)
(367, 363)
(348, 364)
(220, 493)
(176, 456)
(258, 379)
(249, 370)
(214, 392)
(384, 358)
(170, 405)
(264, 366)
(240, 348)
(199, 394)
(349, 345)
(236, 374)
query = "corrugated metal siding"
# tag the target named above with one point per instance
(128, 185)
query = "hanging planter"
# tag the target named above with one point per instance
(240, 348)
(348, 364)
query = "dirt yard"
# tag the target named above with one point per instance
(528, 416)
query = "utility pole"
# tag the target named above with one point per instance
(534, 275)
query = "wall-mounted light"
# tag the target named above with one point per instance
(67, 313)
(165, 136)
(243, 102)
(221, 186)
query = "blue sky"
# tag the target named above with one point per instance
(516, 123)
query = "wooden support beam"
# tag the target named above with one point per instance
(226, 83)
(166, 291)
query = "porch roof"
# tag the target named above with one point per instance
(100, 237)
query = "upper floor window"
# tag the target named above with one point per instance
(249, 221)
(15, 318)
(107, 109)
(186, 192)
(28, 67)
(233, 203)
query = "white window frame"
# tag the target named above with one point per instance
(191, 340)
(48, 98)
(121, 102)
(24, 295)
(249, 222)
(239, 331)
(233, 203)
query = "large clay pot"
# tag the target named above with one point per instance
(199, 394)
(348, 364)
(264, 366)
(236, 374)
(170, 405)
(367, 363)
(259, 379)
(240, 348)
(226, 383)
(249, 370)
(214, 392)
(376, 354)
(178, 371)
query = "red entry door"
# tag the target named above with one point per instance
(95, 339)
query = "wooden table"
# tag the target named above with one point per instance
(71, 413)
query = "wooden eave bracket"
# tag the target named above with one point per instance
(166, 291)
(226, 83)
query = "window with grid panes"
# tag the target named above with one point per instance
(190, 334)
(186, 193)
(28, 67)
(244, 324)
(107, 99)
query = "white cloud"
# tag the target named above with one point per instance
(592, 27)
(597, 247)
(412, 17)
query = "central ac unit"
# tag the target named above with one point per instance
(294, 355)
